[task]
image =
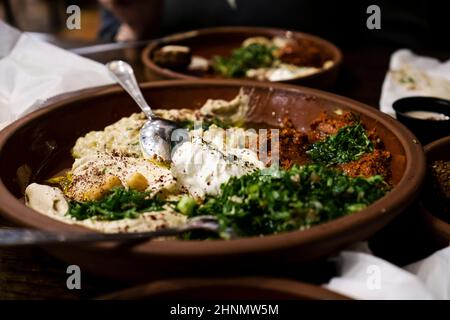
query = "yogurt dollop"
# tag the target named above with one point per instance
(201, 167)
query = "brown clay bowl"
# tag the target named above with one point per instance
(439, 229)
(222, 40)
(38, 146)
(239, 288)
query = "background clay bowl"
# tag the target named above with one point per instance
(241, 288)
(438, 228)
(38, 146)
(221, 41)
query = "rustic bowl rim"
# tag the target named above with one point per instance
(282, 285)
(171, 74)
(441, 227)
(410, 184)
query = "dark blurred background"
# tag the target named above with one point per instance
(417, 24)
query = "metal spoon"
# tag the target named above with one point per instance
(155, 135)
(23, 237)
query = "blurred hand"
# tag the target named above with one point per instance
(126, 33)
(140, 18)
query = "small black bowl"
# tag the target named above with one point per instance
(426, 130)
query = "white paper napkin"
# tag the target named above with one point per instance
(32, 71)
(413, 75)
(364, 276)
(434, 272)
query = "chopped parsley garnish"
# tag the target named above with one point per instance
(119, 203)
(205, 124)
(286, 200)
(242, 59)
(347, 145)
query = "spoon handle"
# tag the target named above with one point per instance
(23, 237)
(13, 237)
(124, 75)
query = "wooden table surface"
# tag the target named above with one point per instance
(31, 273)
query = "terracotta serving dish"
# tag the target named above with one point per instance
(240, 288)
(438, 228)
(38, 146)
(222, 40)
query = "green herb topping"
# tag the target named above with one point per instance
(348, 144)
(186, 205)
(119, 203)
(205, 124)
(242, 59)
(260, 203)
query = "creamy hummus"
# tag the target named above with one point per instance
(122, 137)
(93, 175)
(230, 112)
(51, 202)
(46, 200)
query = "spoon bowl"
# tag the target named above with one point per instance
(155, 138)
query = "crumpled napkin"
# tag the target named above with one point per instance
(32, 71)
(364, 276)
(413, 75)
